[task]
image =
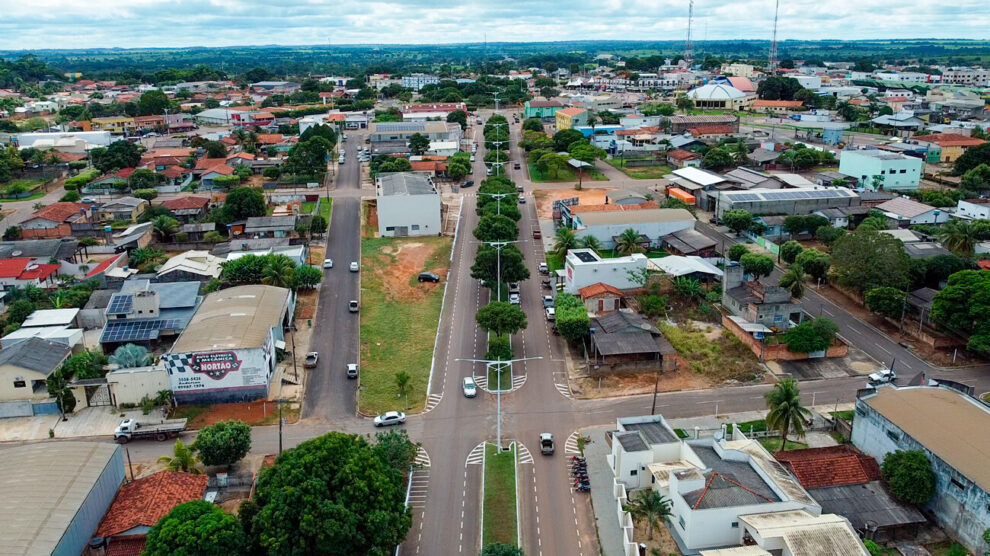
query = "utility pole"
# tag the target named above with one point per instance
(498, 391)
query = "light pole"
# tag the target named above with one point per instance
(498, 391)
(498, 245)
(498, 198)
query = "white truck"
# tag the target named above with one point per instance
(130, 429)
(882, 376)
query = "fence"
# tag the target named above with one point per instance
(629, 546)
(778, 352)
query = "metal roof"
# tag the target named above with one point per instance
(631, 441)
(626, 343)
(235, 318)
(635, 217)
(35, 354)
(676, 265)
(866, 502)
(50, 317)
(405, 183)
(764, 195)
(699, 176)
(653, 432)
(688, 241)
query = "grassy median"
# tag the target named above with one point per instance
(500, 497)
(399, 319)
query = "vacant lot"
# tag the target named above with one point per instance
(261, 412)
(399, 318)
(546, 197)
(716, 354)
(641, 172)
(500, 497)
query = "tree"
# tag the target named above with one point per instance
(182, 459)
(551, 163)
(757, 265)
(977, 179)
(325, 131)
(717, 158)
(829, 235)
(165, 227)
(224, 443)
(496, 228)
(152, 103)
(402, 382)
(571, 317)
(909, 475)
(737, 251)
(649, 506)
(279, 272)
(973, 157)
(418, 143)
(786, 413)
(959, 237)
(215, 149)
(687, 288)
(501, 318)
(585, 152)
(146, 194)
(794, 280)
(886, 301)
(684, 103)
(196, 527)
(306, 277)
(778, 88)
(129, 356)
(227, 182)
(532, 124)
(486, 262)
(628, 242)
(962, 306)
(335, 494)
(867, 259)
(318, 224)
(120, 154)
(143, 255)
(563, 139)
(244, 202)
(591, 242)
(308, 158)
(501, 549)
(272, 172)
(738, 220)
(459, 117)
(814, 262)
(790, 250)
(811, 335)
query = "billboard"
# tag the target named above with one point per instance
(217, 370)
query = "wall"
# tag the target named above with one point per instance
(7, 391)
(629, 548)
(91, 511)
(130, 385)
(20, 408)
(420, 210)
(221, 376)
(652, 230)
(864, 167)
(777, 352)
(62, 230)
(614, 272)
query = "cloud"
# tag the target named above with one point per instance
(173, 23)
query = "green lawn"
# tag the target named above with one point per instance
(499, 524)
(847, 415)
(772, 444)
(641, 172)
(326, 206)
(308, 207)
(31, 197)
(651, 254)
(757, 426)
(397, 330)
(564, 175)
(554, 262)
(499, 380)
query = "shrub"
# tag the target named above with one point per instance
(790, 250)
(909, 475)
(499, 348)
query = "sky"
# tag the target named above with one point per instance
(39, 24)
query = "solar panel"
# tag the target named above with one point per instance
(137, 330)
(121, 304)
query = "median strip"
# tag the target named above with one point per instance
(499, 512)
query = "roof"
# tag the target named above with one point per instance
(631, 441)
(194, 262)
(269, 138)
(715, 91)
(60, 248)
(183, 203)
(636, 217)
(950, 139)
(207, 163)
(764, 195)
(623, 321)
(925, 250)
(572, 111)
(39, 271)
(404, 184)
(60, 212)
(711, 130)
(655, 432)
(126, 202)
(778, 104)
(51, 485)
(598, 289)
(699, 176)
(681, 154)
(748, 550)
(144, 501)
(903, 234)
(626, 343)
(50, 317)
(795, 180)
(35, 354)
(689, 240)
(831, 466)
(905, 207)
(263, 223)
(582, 209)
(803, 533)
(543, 103)
(676, 265)
(926, 413)
(723, 491)
(742, 83)
(105, 264)
(866, 503)
(12, 268)
(617, 195)
(235, 318)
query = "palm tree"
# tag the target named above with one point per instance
(129, 356)
(279, 272)
(649, 506)
(182, 459)
(627, 242)
(591, 242)
(793, 280)
(165, 227)
(786, 412)
(959, 237)
(402, 385)
(564, 242)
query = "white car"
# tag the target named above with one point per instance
(551, 314)
(343, 152)
(354, 266)
(469, 387)
(548, 301)
(390, 418)
(352, 370)
(514, 299)
(882, 376)
(353, 306)
(327, 263)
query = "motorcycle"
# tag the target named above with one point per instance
(583, 488)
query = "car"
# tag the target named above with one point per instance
(546, 443)
(544, 269)
(341, 161)
(352, 370)
(468, 183)
(548, 301)
(88, 200)
(343, 152)
(390, 418)
(311, 359)
(428, 277)
(522, 200)
(327, 263)
(343, 136)
(472, 158)
(551, 314)
(514, 299)
(537, 234)
(513, 287)
(479, 121)
(352, 306)
(469, 388)
(882, 376)
(354, 266)
(519, 189)
(516, 166)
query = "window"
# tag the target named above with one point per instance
(958, 484)
(680, 520)
(20, 383)
(415, 226)
(633, 473)
(893, 436)
(903, 171)
(735, 524)
(389, 228)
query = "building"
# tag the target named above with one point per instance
(269, 226)
(680, 124)
(798, 533)
(543, 109)
(54, 502)
(947, 147)
(680, 158)
(569, 118)
(568, 212)
(126, 209)
(966, 76)
(691, 266)
(24, 370)
(777, 106)
(584, 267)
(600, 298)
(141, 503)
(187, 209)
(720, 96)
(400, 132)
(949, 426)
(975, 209)
(624, 341)
(759, 303)
(741, 70)
(785, 201)
(280, 87)
(652, 224)
(22, 272)
(907, 212)
(227, 352)
(409, 204)
(56, 216)
(431, 110)
(417, 81)
(146, 313)
(191, 265)
(624, 197)
(689, 242)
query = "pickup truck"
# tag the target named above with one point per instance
(546, 443)
(130, 429)
(882, 376)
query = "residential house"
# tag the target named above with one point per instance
(569, 118)
(676, 266)
(773, 225)
(949, 426)
(652, 224)
(689, 242)
(187, 209)
(925, 250)
(109, 182)
(140, 505)
(426, 111)
(116, 125)
(190, 266)
(23, 271)
(624, 341)
(197, 231)
(796, 533)
(758, 303)
(903, 123)
(906, 212)
(543, 109)
(831, 178)
(600, 298)
(947, 147)
(973, 209)
(584, 267)
(270, 226)
(126, 209)
(764, 158)
(680, 158)
(842, 217)
(207, 176)
(54, 220)
(146, 313)
(409, 204)
(24, 370)
(776, 106)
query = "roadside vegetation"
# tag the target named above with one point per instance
(499, 523)
(719, 357)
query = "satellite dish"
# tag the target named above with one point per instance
(17, 253)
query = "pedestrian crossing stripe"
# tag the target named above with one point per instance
(432, 401)
(522, 454)
(419, 485)
(571, 446)
(477, 455)
(422, 458)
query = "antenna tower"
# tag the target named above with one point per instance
(773, 40)
(688, 47)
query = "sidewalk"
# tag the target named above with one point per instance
(86, 422)
(609, 533)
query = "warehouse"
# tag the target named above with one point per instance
(55, 494)
(651, 224)
(409, 204)
(227, 352)
(785, 201)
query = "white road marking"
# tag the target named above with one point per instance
(571, 444)
(881, 348)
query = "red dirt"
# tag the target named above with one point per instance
(252, 413)
(641, 383)
(406, 261)
(306, 303)
(546, 197)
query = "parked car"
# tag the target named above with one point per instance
(390, 418)
(88, 201)
(327, 263)
(343, 152)
(354, 266)
(882, 376)
(519, 188)
(353, 306)
(551, 314)
(469, 387)
(546, 443)
(514, 299)
(513, 287)
(537, 234)
(428, 277)
(311, 359)
(341, 161)
(352, 370)
(516, 166)
(468, 183)
(522, 200)
(544, 269)
(548, 301)
(472, 158)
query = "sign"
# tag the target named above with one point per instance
(215, 365)
(218, 370)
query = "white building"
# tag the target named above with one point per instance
(417, 81)
(740, 70)
(908, 212)
(976, 209)
(66, 141)
(898, 171)
(651, 224)
(408, 205)
(809, 81)
(583, 267)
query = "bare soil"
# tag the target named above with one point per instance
(662, 539)
(316, 255)
(260, 412)
(369, 228)
(402, 264)
(546, 197)
(639, 383)
(306, 304)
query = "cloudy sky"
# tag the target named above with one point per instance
(36, 24)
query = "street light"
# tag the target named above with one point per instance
(498, 199)
(498, 245)
(498, 392)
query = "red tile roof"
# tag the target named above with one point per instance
(984, 264)
(207, 163)
(269, 138)
(424, 166)
(146, 500)
(572, 111)
(39, 272)
(228, 140)
(69, 157)
(174, 171)
(59, 212)
(100, 268)
(950, 139)
(12, 268)
(183, 203)
(711, 130)
(598, 289)
(832, 466)
(222, 169)
(681, 154)
(544, 104)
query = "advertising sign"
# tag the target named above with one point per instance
(217, 370)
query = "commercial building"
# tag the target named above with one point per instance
(392, 132)
(896, 171)
(584, 267)
(785, 201)
(423, 112)
(55, 493)
(543, 109)
(947, 147)
(651, 224)
(570, 118)
(409, 204)
(907, 212)
(227, 352)
(720, 96)
(949, 426)
(680, 124)
(975, 209)
(417, 81)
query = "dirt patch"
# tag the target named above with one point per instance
(262, 412)
(546, 197)
(638, 383)
(400, 265)
(369, 228)
(662, 543)
(306, 304)
(316, 255)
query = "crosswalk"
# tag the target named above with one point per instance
(476, 456)
(571, 445)
(560, 383)
(422, 460)
(518, 380)
(419, 483)
(522, 454)
(432, 401)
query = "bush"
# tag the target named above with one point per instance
(272, 172)
(790, 250)
(909, 475)
(223, 443)
(70, 197)
(499, 348)
(571, 317)
(737, 251)
(146, 194)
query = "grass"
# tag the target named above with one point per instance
(845, 415)
(757, 426)
(554, 262)
(772, 444)
(564, 175)
(641, 172)
(326, 206)
(499, 524)
(31, 197)
(651, 254)
(499, 380)
(396, 334)
(308, 207)
(720, 359)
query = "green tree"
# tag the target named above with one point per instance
(973, 157)
(152, 103)
(684, 103)
(867, 259)
(496, 228)
(737, 251)
(811, 335)
(790, 250)
(786, 414)
(959, 237)
(829, 235)
(418, 143)
(563, 139)
(591, 242)
(120, 154)
(886, 301)
(182, 459)
(738, 220)
(571, 317)
(244, 202)
(145, 255)
(129, 356)
(224, 443)
(551, 164)
(196, 527)
(306, 277)
(215, 149)
(585, 152)
(794, 280)
(501, 318)
(757, 265)
(532, 124)
(335, 494)
(501, 549)
(146, 194)
(962, 308)
(325, 131)
(308, 158)
(165, 227)
(649, 506)
(564, 241)
(778, 88)
(19, 310)
(814, 263)
(909, 475)
(628, 242)
(459, 117)
(486, 262)
(687, 288)
(318, 224)
(717, 158)
(977, 179)
(279, 272)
